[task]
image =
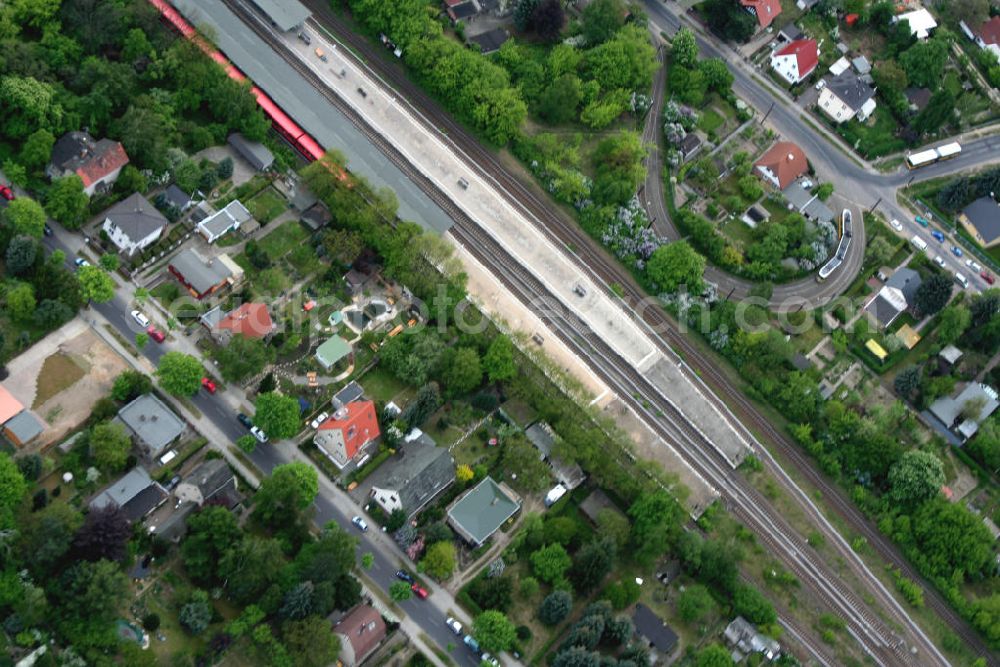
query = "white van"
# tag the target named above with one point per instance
(961, 280)
(919, 243)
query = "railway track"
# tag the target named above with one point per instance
(843, 600)
(526, 197)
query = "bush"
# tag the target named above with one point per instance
(555, 608)
(151, 622)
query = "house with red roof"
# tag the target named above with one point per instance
(765, 11)
(796, 60)
(348, 432)
(97, 163)
(782, 164)
(988, 36)
(251, 320)
(360, 631)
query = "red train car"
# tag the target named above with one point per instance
(299, 139)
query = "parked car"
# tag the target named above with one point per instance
(208, 385)
(453, 625)
(922, 221)
(938, 236)
(956, 251)
(140, 319)
(174, 481)
(319, 420)
(405, 576)
(821, 85)
(987, 276)
(155, 334)
(245, 420)
(80, 261)
(258, 433)
(491, 660)
(939, 260)
(360, 523)
(471, 642)
(47, 230)
(973, 264)
(7, 193)
(897, 225)
(419, 591)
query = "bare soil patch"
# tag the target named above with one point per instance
(59, 372)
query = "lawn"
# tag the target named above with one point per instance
(59, 372)
(267, 205)
(282, 240)
(710, 121)
(382, 387)
(873, 140)
(739, 231)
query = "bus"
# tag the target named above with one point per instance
(932, 155)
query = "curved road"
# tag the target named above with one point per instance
(861, 186)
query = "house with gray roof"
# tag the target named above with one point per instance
(479, 512)
(22, 428)
(846, 97)
(895, 296)
(254, 152)
(654, 632)
(212, 480)
(135, 492)
(202, 276)
(227, 219)
(177, 198)
(541, 435)
(981, 219)
(743, 637)
(952, 413)
(133, 224)
(416, 474)
(153, 425)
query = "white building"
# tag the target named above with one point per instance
(796, 60)
(224, 221)
(133, 224)
(846, 97)
(920, 20)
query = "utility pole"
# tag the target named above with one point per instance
(872, 209)
(767, 114)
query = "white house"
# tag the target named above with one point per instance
(133, 224)
(97, 163)
(796, 60)
(920, 20)
(846, 97)
(224, 221)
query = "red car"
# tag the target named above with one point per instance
(7, 193)
(988, 277)
(208, 384)
(419, 591)
(158, 336)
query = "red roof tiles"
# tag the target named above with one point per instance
(357, 422)
(9, 406)
(989, 32)
(251, 319)
(109, 157)
(806, 55)
(765, 10)
(786, 161)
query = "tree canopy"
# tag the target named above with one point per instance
(277, 414)
(677, 265)
(180, 373)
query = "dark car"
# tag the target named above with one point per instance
(404, 575)
(243, 419)
(47, 230)
(987, 276)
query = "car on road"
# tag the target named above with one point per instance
(491, 660)
(938, 236)
(140, 319)
(258, 433)
(897, 225)
(973, 264)
(319, 420)
(245, 420)
(47, 230)
(80, 261)
(208, 385)
(419, 591)
(579, 290)
(956, 251)
(453, 625)
(987, 276)
(360, 523)
(939, 260)
(155, 334)
(922, 221)
(821, 85)
(7, 193)
(405, 576)
(471, 642)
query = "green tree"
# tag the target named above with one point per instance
(141, 339)
(684, 49)
(952, 323)
(717, 75)
(212, 532)
(89, 595)
(602, 19)
(558, 102)
(916, 478)
(729, 20)
(592, 563)
(247, 442)
(21, 254)
(12, 488)
(367, 560)
(938, 112)
(179, 373)
(656, 517)
(695, 604)
(288, 492)
(578, 656)
(277, 415)
(248, 567)
(21, 301)
(310, 642)
(618, 168)
(196, 614)
(110, 445)
(439, 560)
(498, 362)
(37, 149)
(67, 202)
(110, 262)
(26, 105)
(25, 217)
(550, 563)
(907, 382)
(95, 284)
(951, 540)
(714, 655)
(933, 294)
(749, 603)
(924, 62)
(461, 370)
(675, 265)
(146, 131)
(46, 535)
(555, 608)
(129, 385)
(400, 591)
(494, 631)
(243, 357)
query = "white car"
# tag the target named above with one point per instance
(360, 523)
(489, 659)
(319, 420)
(821, 85)
(140, 319)
(974, 265)
(454, 625)
(939, 260)
(896, 224)
(258, 433)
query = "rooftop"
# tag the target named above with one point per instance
(90, 160)
(213, 479)
(176, 197)
(652, 628)
(984, 215)
(765, 10)
(202, 274)
(490, 41)
(417, 472)
(921, 22)
(786, 161)
(9, 406)
(363, 628)
(951, 354)
(127, 487)
(989, 32)
(135, 216)
(907, 281)
(850, 90)
(480, 512)
(806, 54)
(332, 350)
(949, 409)
(357, 422)
(251, 320)
(24, 426)
(542, 437)
(352, 391)
(231, 216)
(152, 422)
(286, 14)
